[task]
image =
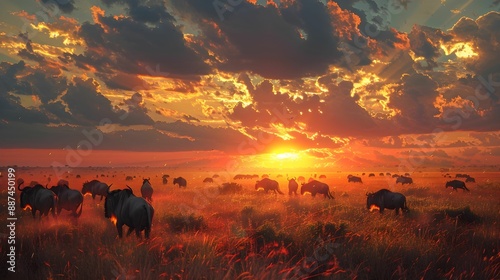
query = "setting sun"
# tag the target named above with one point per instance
(286, 156)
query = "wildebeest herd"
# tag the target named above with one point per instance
(123, 207)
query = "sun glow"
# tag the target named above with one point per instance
(286, 156)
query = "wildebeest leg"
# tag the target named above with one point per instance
(130, 229)
(102, 196)
(381, 210)
(138, 233)
(93, 196)
(119, 228)
(33, 212)
(397, 211)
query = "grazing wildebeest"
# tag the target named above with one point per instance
(37, 198)
(265, 176)
(322, 176)
(407, 174)
(385, 199)
(404, 180)
(457, 184)
(125, 208)
(371, 175)
(147, 190)
(293, 186)
(129, 178)
(68, 199)
(314, 187)
(354, 179)
(208, 180)
(180, 181)
(470, 179)
(395, 175)
(381, 174)
(459, 175)
(165, 178)
(268, 185)
(95, 187)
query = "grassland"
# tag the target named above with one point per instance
(203, 232)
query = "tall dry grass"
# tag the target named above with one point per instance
(202, 232)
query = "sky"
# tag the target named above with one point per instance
(337, 85)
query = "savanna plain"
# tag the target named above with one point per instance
(229, 230)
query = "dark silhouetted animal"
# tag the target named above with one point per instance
(314, 187)
(129, 178)
(165, 178)
(459, 175)
(68, 199)
(180, 181)
(456, 184)
(268, 185)
(470, 179)
(147, 190)
(208, 180)
(381, 174)
(404, 180)
(385, 199)
(354, 179)
(322, 176)
(95, 188)
(37, 198)
(127, 209)
(395, 175)
(371, 175)
(293, 186)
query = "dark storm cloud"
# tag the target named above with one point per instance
(66, 6)
(415, 97)
(137, 112)
(133, 47)
(268, 40)
(144, 11)
(423, 46)
(86, 103)
(483, 33)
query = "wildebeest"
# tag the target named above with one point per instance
(147, 190)
(125, 208)
(322, 176)
(354, 179)
(293, 186)
(268, 185)
(180, 181)
(470, 179)
(371, 175)
(95, 187)
(165, 178)
(385, 199)
(68, 199)
(459, 175)
(404, 180)
(129, 178)
(457, 184)
(208, 180)
(314, 187)
(381, 174)
(395, 175)
(265, 176)
(37, 198)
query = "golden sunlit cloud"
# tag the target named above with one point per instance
(461, 50)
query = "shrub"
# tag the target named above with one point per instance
(230, 188)
(181, 223)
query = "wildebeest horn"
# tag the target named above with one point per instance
(129, 188)
(107, 189)
(367, 194)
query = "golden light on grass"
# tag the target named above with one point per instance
(374, 208)
(113, 219)
(27, 207)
